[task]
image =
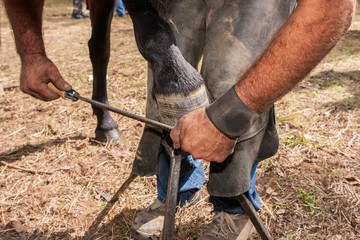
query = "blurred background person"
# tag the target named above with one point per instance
(77, 10)
(120, 9)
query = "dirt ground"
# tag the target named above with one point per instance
(310, 188)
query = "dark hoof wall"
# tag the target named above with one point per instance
(112, 135)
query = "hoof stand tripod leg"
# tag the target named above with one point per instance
(172, 192)
(254, 217)
(171, 200)
(95, 225)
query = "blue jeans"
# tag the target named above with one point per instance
(120, 9)
(192, 179)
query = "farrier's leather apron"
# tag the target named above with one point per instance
(231, 36)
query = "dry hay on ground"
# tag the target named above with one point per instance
(309, 189)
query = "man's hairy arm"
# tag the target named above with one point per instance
(309, 34)
(36, 69)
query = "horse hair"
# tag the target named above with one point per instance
(161, 6)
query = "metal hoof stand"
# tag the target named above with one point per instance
(173, 183)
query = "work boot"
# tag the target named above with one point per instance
(226, 226)
(149, 223)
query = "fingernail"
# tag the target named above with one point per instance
(66, 85)
(177, 131)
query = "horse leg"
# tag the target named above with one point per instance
(178, 88)
(101, 13)
(174, 85)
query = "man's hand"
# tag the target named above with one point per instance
(36, 69)
(36, 72)
(195, 134)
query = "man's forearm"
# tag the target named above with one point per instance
(26, 20)
(36, 69)
(310, 33)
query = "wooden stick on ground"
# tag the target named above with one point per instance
(24, 169)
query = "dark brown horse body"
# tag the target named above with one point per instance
(156, 42)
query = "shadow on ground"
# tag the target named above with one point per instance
(345, 82)
(117, 228)
(29, 149)
(348, 47)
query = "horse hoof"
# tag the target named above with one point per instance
(112, 135)
(173, 106)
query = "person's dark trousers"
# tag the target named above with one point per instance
(77, 7)
(77, 12)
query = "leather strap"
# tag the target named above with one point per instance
(230, 115)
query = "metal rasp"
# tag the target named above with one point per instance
(73, 95)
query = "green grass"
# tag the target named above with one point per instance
(295, 140)
(309, 198)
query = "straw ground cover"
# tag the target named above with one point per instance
(310, 188)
